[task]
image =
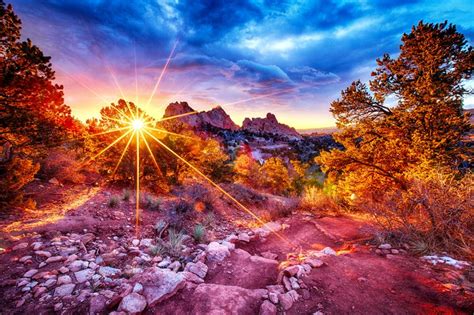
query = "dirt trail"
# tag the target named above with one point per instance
(356, 280)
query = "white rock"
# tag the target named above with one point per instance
(84, 275)
(200, 269)
(20, 246)
(54, 259)
(64, 290)
(137, 288)
(133, 303)
(25, 258)
(30, 273)
(106, 271)
(217, 252)
(244, 237)
(43, 253)
(64, 280)
(135, 242)
(385, 246)
(329, 251)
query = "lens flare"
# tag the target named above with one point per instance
(138, 124)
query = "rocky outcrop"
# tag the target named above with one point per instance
(269, 125)
(216, 117)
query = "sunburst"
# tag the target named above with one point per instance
(136, 126)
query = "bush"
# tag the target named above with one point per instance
(199, 233)
(177, 212)
(317, 199)
(151, 203)
(435, 212)
(15, 174)
(126, 194)
(61, 165)
(113, 202)
(198, 196)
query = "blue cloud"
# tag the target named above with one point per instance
(312, 48)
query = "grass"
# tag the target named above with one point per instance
(113, 202)
(126, 194)
(175, 242)
(199, 233)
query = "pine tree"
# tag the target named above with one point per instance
(385, 144)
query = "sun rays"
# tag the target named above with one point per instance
(134, 125)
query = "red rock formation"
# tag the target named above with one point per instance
(216, 117)
(269, 124)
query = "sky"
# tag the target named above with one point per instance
(291, 58)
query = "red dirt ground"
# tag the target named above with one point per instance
(356, 281)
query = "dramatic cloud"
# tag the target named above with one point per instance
(289, 57)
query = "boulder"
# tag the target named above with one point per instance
(267, 308)
(64, 290)
(224, 299)
(199, 269)
(133, 303)
(84, 275)
(159, 284)
(217, 252)
(109, 272)
(97, 304)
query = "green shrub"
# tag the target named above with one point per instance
(113, 202)
(126, 194)
(199, 233)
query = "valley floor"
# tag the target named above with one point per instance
(77, 256)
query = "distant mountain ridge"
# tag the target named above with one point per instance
(218, 118)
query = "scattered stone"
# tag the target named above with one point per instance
(229, 245)
(314, 263)
(76, 265)
(43, 253)
(135, 242)
(25, 259)
(292, 270)
(191, 277)
(64, 280)
(159, 284)
(54, 259)
(71, 259)
(133, 303)
(294, 283)
(262, 260)
(362, 279)
(64, 290)
(390, 256)
(58, 307)
(54, 181)
(244, 237)
(37, 245)
(20, 246)
(267, 308)
(64, 269)
(329, 251)
(217, 252)
(287, 283)
(286, 301)
(273, 297)
(175, 266)
(269, 255)
(84, 275)
(49, 283)
(164, 263)
(39, 291)
(97, 304)
(385, 246)
(395, 251)
(106, 271)
(200, 269)
(137, 288)
(30, 273)
(42, 264)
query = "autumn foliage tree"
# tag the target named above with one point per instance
(389, 145)
(384, 142)
(33, 115)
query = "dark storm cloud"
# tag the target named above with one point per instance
(310, 47)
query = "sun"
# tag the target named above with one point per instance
(137, 124)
